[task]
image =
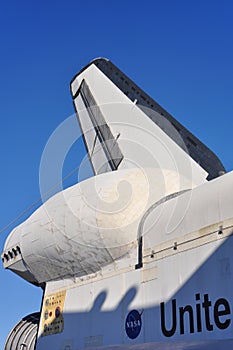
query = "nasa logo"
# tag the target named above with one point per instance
(133, 324)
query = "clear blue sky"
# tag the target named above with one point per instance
(179, 51)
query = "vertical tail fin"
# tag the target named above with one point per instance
(123, 127)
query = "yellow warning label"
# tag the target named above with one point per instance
(52, 321)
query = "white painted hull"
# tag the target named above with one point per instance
(95, 311)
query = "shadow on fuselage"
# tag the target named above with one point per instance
(198, 316)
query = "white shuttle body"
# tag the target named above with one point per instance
(138, 256)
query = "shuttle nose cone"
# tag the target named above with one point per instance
(12, 250)
(12, 258)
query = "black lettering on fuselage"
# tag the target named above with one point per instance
(170, 332)
(189, 311)
(198, 313)
(218, 312)
(189, 319)
(206, 305)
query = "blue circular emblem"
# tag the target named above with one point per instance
(133, 324)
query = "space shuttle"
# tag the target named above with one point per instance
(139, 255)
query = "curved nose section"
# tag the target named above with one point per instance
(12, 257)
